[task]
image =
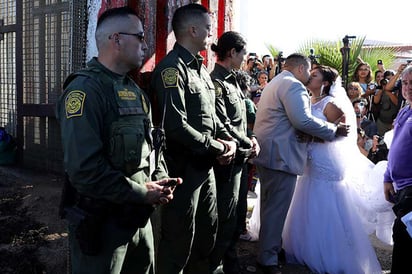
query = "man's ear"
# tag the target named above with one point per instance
(193, 31)
(233, 52)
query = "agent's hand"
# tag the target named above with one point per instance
(229, 154)
(161, 192)
(342, 129)
(255, 148)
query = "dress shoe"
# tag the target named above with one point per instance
(268, 269)
(281, 258)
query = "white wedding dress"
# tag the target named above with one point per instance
(335, 206)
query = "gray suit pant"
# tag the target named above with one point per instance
(276, 193)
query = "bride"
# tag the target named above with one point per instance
(334, 195)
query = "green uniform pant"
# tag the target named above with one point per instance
(227, 187)
(189, 224)
(123, 251)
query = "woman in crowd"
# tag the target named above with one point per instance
(354, 91)
(363, 75)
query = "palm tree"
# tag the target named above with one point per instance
(329, 53)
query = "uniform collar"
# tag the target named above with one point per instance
(227, 75)
(193, 61)
(94, 63)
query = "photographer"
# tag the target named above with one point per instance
(360, 107)
(253, 66)
(269, 66)
(387, 99)
(256, 90)
(379, 150)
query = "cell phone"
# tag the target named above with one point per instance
(171, 183)
(380, 62)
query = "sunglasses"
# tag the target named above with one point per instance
(139, 35)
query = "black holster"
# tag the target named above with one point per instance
(68, 197)
(88, 234)
(90, 216)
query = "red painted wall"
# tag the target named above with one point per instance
(108, 4)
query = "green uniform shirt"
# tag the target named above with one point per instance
(230, 104)
(183, 84)
(104, 119)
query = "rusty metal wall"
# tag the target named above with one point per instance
(8, 94)
(52, 46)
(41, 43)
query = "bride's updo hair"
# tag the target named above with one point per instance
(329, 74)
(226, 42)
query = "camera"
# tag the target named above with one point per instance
(313, 57)
(380, 62)
(382, 83)
(361, 106)
(409, 61)
(371, 86)
(280, 58)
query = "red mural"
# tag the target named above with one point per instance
(108, 4)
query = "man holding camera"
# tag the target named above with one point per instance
(388, 99)
(360, 106)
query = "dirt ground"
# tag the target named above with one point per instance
(33, 239)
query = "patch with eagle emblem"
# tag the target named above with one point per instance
(74, 103)
(169, 77)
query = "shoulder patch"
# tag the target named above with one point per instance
(169, 77)
(218, 89)
(74, 103)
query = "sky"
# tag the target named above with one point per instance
(288, 24)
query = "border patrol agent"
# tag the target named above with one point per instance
(195, 138)
(108, 157)
(231, 110)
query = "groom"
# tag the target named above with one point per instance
(284, 109)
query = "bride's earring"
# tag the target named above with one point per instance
(321, 90)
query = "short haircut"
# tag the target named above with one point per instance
(115, 13)
(110, 21)
(297, 59)
(186, 14)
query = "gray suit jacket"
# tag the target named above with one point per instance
(284, 107)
